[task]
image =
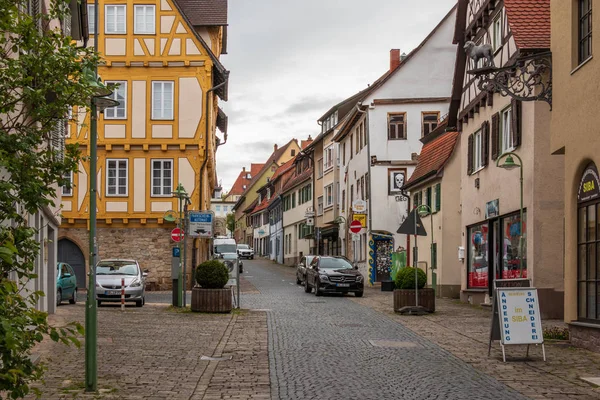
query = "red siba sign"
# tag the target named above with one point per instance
(355, 226)
(176, 234)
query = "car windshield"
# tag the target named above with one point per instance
(117, 268)
(243, 246)
(334, 263)
(225, 248)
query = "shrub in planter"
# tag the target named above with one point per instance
(405, 278)
(212, 274)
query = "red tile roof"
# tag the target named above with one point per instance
(283, 168)
(204, 12)
(434, 156)
(297, 179)
(238, 185)
(249, 209)
(529, 22)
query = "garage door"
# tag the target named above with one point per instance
(69, 252)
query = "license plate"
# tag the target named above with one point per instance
(343, 285)
(112, 292)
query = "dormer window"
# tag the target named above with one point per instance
(259, 198)
(244, 187)
(248, 176)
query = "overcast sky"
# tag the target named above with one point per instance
(292, 60)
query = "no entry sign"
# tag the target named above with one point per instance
(175, 234)
(355, 226)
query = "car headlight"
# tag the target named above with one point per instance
(324, 277)
(359, 278)
(135, 283)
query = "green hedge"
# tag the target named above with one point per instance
(212, 274)
(405, 278)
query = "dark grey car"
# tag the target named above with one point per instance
(301, 269)
(333, 275)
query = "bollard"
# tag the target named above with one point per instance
(122, 294)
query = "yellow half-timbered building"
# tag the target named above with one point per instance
(161, 59)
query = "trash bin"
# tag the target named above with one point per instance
(387, 286)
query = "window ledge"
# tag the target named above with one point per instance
(477, 170)
(585, 324)
(577, 68)
(473, 290)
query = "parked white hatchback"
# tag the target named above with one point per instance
(112, 273)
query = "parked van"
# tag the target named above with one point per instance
(226, 248)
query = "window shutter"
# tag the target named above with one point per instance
(485, 140)
(470, 155)
(495, 135)
(516, 122)
(438, 197)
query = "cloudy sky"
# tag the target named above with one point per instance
(292, 60)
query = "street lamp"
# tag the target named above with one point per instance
(182, 195)
(510, 164)
(424, 210)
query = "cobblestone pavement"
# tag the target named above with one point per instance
(463, 330)
(334, 348)
(154, 352)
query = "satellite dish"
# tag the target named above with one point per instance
(170, 216)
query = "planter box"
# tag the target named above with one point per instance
(406, 297)
(212, 300)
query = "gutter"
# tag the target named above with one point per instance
(407, 186)
(206, 135)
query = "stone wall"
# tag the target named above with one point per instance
(151, 247)
(584, 336)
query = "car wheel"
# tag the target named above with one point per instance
(358, 294)
(58, 297)
(298, 281)
(144, 300)
(307, 288)
(139, 303)
(73, 299)
(317, 291)
(252, 257)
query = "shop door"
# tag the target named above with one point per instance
(383, 260)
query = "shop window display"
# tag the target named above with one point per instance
(511, 259)
(477, 274)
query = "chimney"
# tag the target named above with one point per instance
(243, 169)
(394, 59)
(275, 147)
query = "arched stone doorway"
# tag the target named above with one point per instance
(69, 252)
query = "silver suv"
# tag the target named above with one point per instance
(111, 273)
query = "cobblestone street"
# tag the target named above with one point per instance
(287, 344)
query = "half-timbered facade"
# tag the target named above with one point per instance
(493, 124)
(161, 60)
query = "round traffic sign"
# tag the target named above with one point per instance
(355, 226)
(175, 234)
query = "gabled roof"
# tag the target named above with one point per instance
(238, 185)
(297, 179)
(282, 169)
(433, 157)
(205, 12)
(249, 209)
(529, 22)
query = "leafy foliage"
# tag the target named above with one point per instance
(405, 278)
(212, 274)
(231, 222)
(556, 333)
(41, 78)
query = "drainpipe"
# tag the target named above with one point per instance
(358, 105)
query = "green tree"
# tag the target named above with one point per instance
(231, 222)
(41, 78)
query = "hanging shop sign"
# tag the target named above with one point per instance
(309, 213)
(362, 218)
(589, 185)
(492, 209)
(359, 206)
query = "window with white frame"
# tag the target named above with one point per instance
(162, 100)
(320, 168)
(162, 177)
(320, 205)
(115, 22)
(497, 33)
(67, 188)
(477, 151)
(119, 94)
(91, 11)
(116, 177)
(506, 140)
(329, 195)
(144, 19)
(328, 158)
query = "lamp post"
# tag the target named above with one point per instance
(510, 164)
(424, 210)
(98, 103)
(182, 195)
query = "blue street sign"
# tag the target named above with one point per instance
(200, 223)
(176, 252)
